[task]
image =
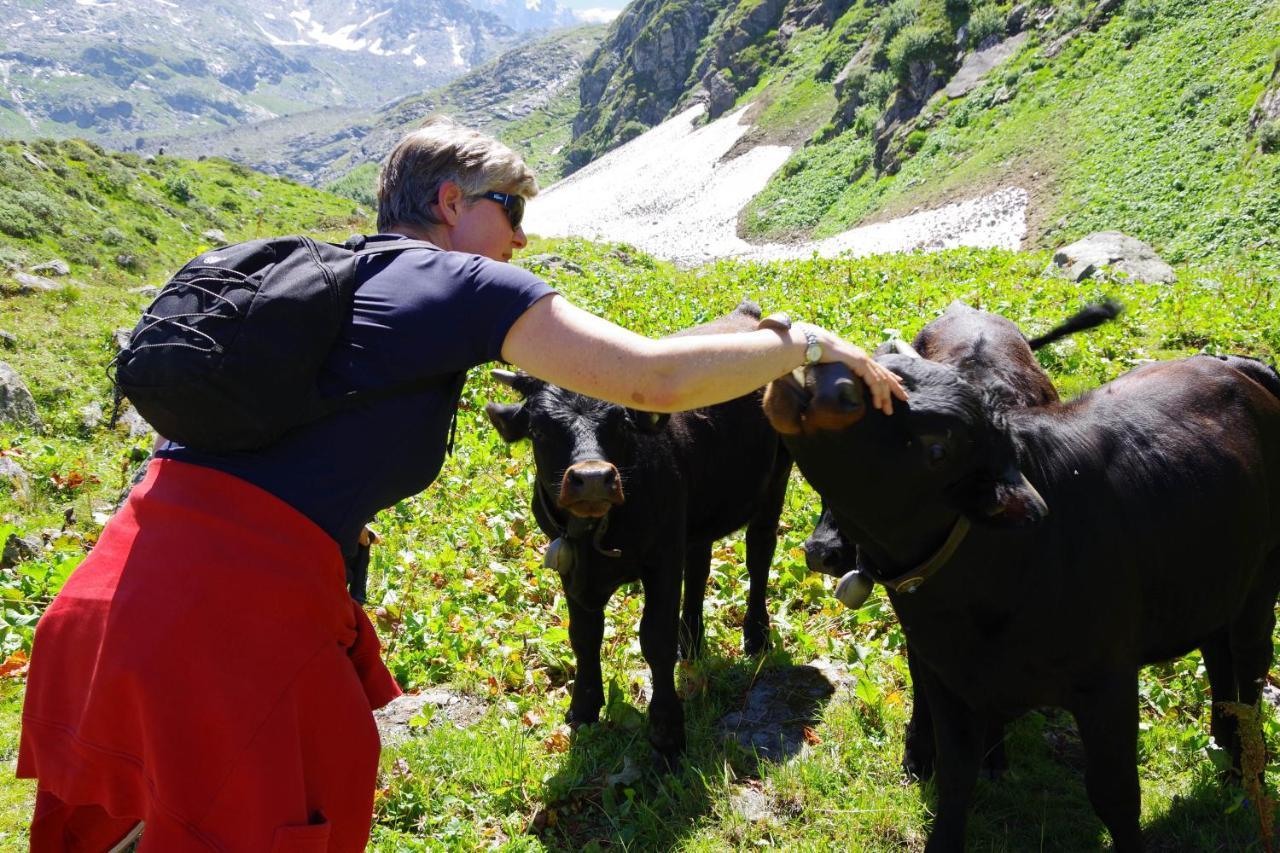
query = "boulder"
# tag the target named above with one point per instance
(8, 340)
(55, 267)
(13, 473)
(121, 336)
(17, 406)
(978, 65)
(134, 422)
(1267, 107)
(18, 549)
(91, 415)
(214, 235)
(1120, 252)
(147, 291)
(27, 284)
(721, 95)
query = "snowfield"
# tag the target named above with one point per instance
(668, 193)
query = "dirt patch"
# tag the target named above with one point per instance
(436, 706)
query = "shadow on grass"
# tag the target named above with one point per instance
(608, 793)
(1041, 803)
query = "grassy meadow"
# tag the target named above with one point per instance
(462, 600)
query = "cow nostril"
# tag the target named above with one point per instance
(575, 479)
(609, 476)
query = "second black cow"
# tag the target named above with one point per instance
(633, 496)
(1040, 557)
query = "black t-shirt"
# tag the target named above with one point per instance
(416, 313)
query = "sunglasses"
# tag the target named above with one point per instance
(513, 204)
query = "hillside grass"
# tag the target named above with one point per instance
(1140, 127)
(461, 597)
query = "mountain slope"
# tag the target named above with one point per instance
(121, 72)
(1158, 117)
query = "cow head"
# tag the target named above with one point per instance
(946, 451)
(581, 445)
(827, 551)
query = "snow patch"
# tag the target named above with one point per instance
(667, 193)
(596, 15)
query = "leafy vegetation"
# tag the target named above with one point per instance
(461, 597)
(1140, 126)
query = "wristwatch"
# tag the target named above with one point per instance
(812, 349)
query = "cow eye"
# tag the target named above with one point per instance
(937, 454)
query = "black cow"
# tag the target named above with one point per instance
(629, 496)
(991, 352)
(1164, 536)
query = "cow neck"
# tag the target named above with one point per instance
(912, 580)
(576, 529)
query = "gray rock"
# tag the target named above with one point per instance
(17, 406)
(121, 336)
(1120, 252)
(91, 415)
(783, 702)
(12, 472)
(721, 95)
(978, 65)
(438, 704)
(28, 284)
(1267, 107)
(148, 291)
(214, 235)
(751, 803)
(546, 263)
(8, 340)
(18, 549)
(134, 422)
(34, 160)
(1017, 18)
(56, 267)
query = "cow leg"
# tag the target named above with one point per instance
(958, 734)
(762, 541)
(1108, 722)
(1216, 652)
(658, 627)
(697, 567)
(1250, 639)
(994, 761)
(586, 632)
(918, 750)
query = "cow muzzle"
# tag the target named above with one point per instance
(820, 397)
(590, 489)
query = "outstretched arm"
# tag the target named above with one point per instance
(555, 341)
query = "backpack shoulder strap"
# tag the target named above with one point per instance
(395, 246)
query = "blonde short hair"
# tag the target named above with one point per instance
(443, 150)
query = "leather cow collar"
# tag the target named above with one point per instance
(912, 580)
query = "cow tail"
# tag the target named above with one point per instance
(1087, 317)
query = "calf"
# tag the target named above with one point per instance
(628, 496)
(1164, 536)
(991, 352)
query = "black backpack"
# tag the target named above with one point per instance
(226, 358)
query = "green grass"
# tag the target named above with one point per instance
(1146, 136)
(461, 597)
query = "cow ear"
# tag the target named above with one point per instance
(649, 422)
(1004, 500)
(511, 420)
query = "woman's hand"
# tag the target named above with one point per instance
(883, 383)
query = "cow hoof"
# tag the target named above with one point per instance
(754, 643)
(581, 718)
(918, 768)
(665, 762)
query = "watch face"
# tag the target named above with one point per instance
(813, 353)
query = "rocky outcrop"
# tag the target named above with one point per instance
(978, 65)
(1120, 252)
(17, 406)
(1267, 107)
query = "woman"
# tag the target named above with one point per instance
(205, 670)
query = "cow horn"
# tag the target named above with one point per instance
(901, 347)
(506, 377)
